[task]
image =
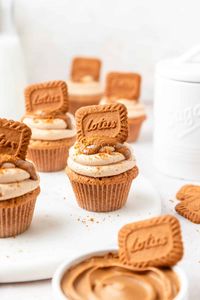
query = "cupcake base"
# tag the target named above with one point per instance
(16, 214)
(50, 156)
(134, 127)
(102, 194)
(77, 101)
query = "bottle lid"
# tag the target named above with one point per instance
(184, 68)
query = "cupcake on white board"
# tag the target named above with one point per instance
(84, 85)
(124, 88)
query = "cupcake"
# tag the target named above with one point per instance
(53, 128)
(152, 274)
(125, 88)
(101, 166)
(84, 86)
(19, 183)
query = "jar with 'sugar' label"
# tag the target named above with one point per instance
(177, 116)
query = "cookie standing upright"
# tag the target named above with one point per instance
(101, 166)
(19, 183)
(156, 242)
(84, 84)
(125, 88)
(53, 127)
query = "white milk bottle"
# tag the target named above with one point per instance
(12, 68)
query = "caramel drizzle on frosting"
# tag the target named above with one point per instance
(19, 163)
(90, 146)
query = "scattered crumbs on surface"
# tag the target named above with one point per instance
(104, 219)
(97, 222)
(171, 200)
(64, 198)
(199, 262)
(118, 215)
(91, 219)
(7, 256)
(197, 230)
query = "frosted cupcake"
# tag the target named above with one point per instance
(53, 128)
(101, 166)
(125, 88)
(84, 86)
(19, 183)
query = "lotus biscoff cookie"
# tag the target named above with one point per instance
(84, 85)
(19, 183)
(189, 206)
(155, 242)
(125, 88)
(101, 165)
(53, 127)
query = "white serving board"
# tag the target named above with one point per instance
(60, 229)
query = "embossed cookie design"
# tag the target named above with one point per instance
(123, 85)
(155, 242)
(102, 121)
(14, 138)
(49, 97)
(187, 191)
(85, 67)
(190, 208)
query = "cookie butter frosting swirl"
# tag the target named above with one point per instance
(105, 278)
(108, 161)
(84, 88)
(135, 109)
(17, 179)
(51, 129)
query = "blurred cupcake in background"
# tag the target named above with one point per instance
(53, 128)
(125, 88)
(84, 85)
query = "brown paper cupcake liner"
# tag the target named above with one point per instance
(134, 127)
(77, 101)
(16, 214)
(50, 158)
(102, 194)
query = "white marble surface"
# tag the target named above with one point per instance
(167, 188)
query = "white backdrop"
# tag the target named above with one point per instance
(127, 34)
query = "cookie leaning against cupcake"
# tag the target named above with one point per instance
(84, 86)
(53, 128)
(125, 88)
(19, 183)
(101, 166)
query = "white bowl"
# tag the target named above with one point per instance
(56, 281)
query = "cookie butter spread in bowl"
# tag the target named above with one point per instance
(101, 276)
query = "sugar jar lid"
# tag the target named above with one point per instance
(184, 68)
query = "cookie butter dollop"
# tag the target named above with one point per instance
(17, 177)
(50, 129)
(101, 159)
(105, 278)
(135, 109)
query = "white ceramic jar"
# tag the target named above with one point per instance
(177, 116)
